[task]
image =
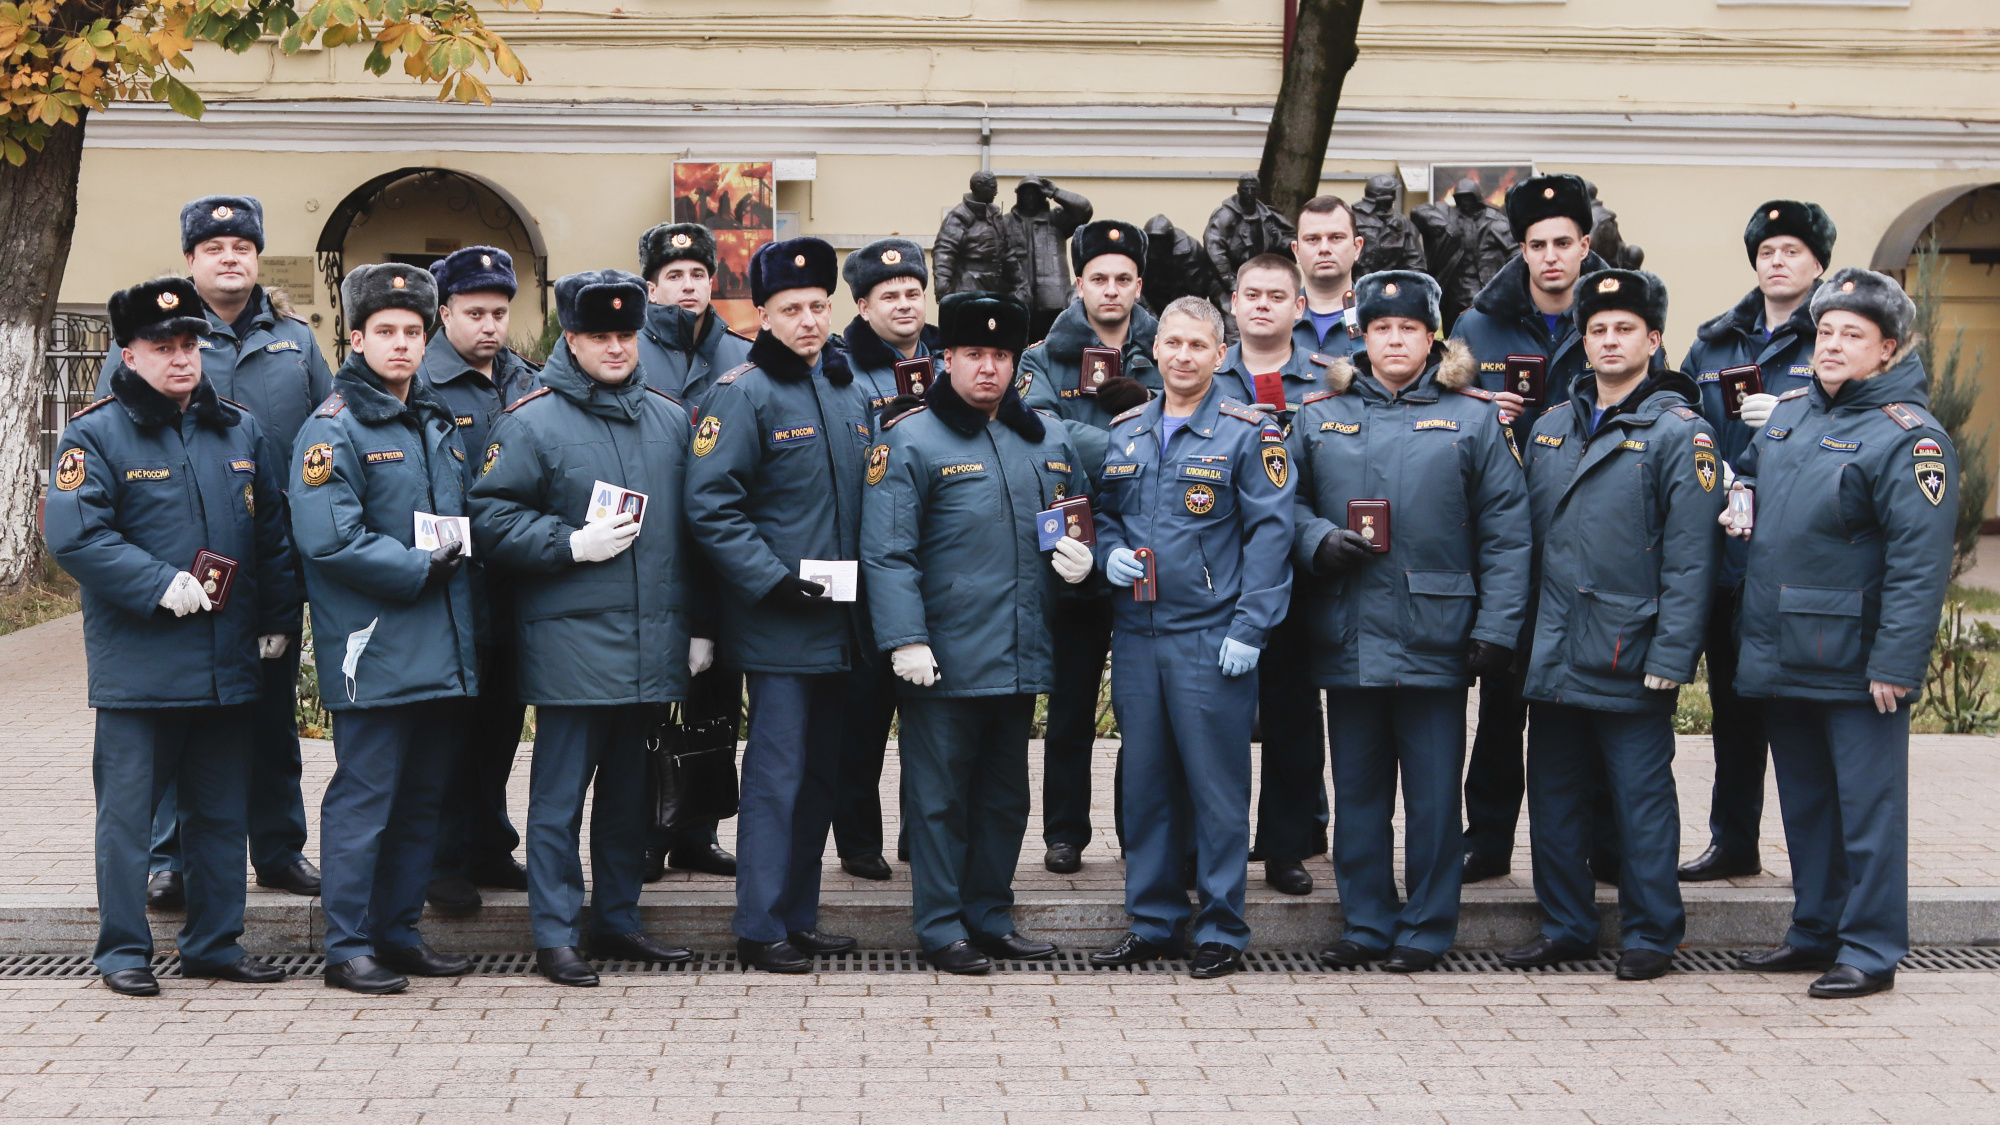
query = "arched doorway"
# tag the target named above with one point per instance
(418, 215)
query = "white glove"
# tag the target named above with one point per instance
(701, 654)
(1757, 409)
(1072, 560)
(184, 595)
(595, 542)
(272, 645)
(1660, 683)
(1728, 478)
(915, 664)
(1123, 567)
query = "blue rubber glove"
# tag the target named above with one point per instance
(1237, 657)
(1122, 567)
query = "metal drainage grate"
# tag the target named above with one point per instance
(1926, 959)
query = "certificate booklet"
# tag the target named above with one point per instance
(839, 576)
(1069, 519)
(436, 531)
(607, 500)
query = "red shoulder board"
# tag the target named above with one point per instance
(235, 404)
(891, 423)
(1130, 414)
(300, 319)
(333, 405)
(730, 375)
(1685, 414)
(1318, 395)
(1243, 413)
(1476, 392)
(1323, 361)
(1793, 393)
(528, 398)
(1903, 415)
(662, 394)
(91, 407)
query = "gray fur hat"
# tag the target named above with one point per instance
(673, 242)
(1870, 294)
(221, 216)
(881, 260)
(367, 290)
(1633, 291)
(1405, 293)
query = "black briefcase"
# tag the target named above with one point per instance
(691, 757)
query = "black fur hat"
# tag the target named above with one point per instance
(1807, 222)
(220, 216)
(601, 301)
(983, 320)
(1107, 236)
(475, 269)
(1633, 291)
(156, 310)
(1404, 293)
(1870, 294)
(673, 242)
(881, 260)
(367, 290)
(1561, 196)
(797, 263)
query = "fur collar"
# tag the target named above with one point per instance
(362, 390)
(148, 407)
(952, 410)
(867, 351)
(784, 364)
(1071, 333)
(1450, 366)
(1742, 320)
(1506, 296)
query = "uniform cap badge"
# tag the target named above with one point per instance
(220, 213)
(1847, 287)
(1608, 285)
(169, 300)
(1773, 216)
(892, 257)
(1389, 290)
(617, 302)
(486, 259)
(682, 242)
(1114, 234)
(992, 324)
(398, 282)
(1548, 193)
(799, 260)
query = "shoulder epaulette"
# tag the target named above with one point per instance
(1557, 406)
(1685, 414)
(234, 403)
(91, 407)
(1477, 392)
(528, 398)
(913, 411)
(1903, 415)
(1242, 413)
(300, 319)
(1130, 414)
(656, 391)
(333, 405)
(1793, 393)
(1047, 413)
(729, 376)
(1318, 395)
(1323, 361)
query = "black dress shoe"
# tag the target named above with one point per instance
(301, 878)
(867, 867)
(1011, 946)
(637, 947)
(165, 890)
(420, 960)
(453, 896)
(564, 965)
(1130, 950)
(959, 957)
(1345, 954)
(1287, 876)
(1786, 959)
(1643, 964)
(365, 975)
(1544, 951)
(1409, 959)
(814, 942)
(243, 970)
(1718, 864)
(501, 873)
(1845, 982)
(1214, 959)
(132, 982)
(771, 956)
(1604, 868)
(656, 866)
(1480, 867)
(709, 859)
(1063, 859)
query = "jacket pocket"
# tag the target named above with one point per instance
(1819, 627)
(1612, 632)
(1439, 615)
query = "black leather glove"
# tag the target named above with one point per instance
(1488, 659)
(897, 407)
(445, 562)
(1122, 394)
(796, 593)
(1341, 551)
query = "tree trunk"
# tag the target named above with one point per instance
(37, 218)
(1323, 51)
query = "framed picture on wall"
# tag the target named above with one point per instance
(737, 199)
(1493, 179)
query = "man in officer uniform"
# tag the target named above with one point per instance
(393, 627)
(960, 601)
(1524, 311)
(469, 367)
(147, 480)
(594, 585)
(779, 456)
(1770, 329)
(1110, 261)
(269, 362)
(684, 345)
(1204, 486)
(1625, 485)
(1326, 248)
(1413, 523)
(1269, 368)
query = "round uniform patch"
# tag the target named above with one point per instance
(69, 470)
(250, 499)
(492, 457)
(878, 464)
(1200, 499)
(705, 435)
(318, 465)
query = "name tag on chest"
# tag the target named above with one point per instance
(1213, 474)
(1450, 424)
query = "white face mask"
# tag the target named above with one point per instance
(357, 641)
